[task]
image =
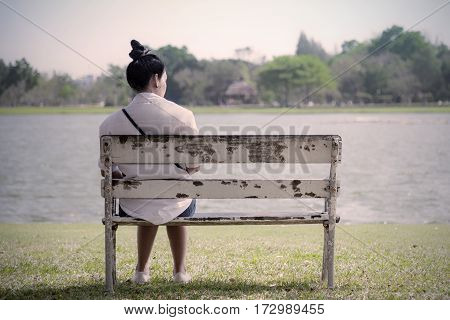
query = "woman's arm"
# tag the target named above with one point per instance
(117, 174)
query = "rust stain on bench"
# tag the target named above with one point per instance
(231, 149)
(202, 151)
(295, 184)
(258, 152)
(182, 195)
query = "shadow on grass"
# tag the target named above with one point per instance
(162, 289)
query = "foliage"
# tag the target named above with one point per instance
(111, 89)
(57, 90)
(219, 75)
(396, 66)
(15, 80)
(307, 46)
(421, 57)
(291, 78)
(349, 45)
(176, 59)
(402, 67)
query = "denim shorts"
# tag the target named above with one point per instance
(189, 212)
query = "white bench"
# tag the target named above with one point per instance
(305, 149)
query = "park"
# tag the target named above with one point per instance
(372, 103)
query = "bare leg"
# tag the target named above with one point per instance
(178, 239)
(145, 239)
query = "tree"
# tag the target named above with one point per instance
(176, 59)
(3, 75)
(350, 82)
(21, 71)
(348, 46)
(375, 79)
(111, 89)
(419, 53)
(426, 67)
(443, 87)
(386, 36)
(192, 83)
(15, 80)
(12, 95)
(310, 47)
(288, 77)
(219, 74)
(408, 44)
(58, 90)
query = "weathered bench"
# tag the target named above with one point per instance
(304, 149)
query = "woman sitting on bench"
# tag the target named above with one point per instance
(149, 113)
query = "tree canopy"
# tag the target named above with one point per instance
(396, 66)
(290, 77)
(307, 46)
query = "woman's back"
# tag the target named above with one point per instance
(155, 116)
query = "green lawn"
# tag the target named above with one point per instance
(45, 261)
(247, 109)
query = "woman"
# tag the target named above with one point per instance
(149, 113)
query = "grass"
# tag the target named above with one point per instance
(246, 109)
(46, 261)
(56, 110)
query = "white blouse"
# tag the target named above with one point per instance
(154, 115)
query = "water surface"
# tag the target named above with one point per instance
(395, 167)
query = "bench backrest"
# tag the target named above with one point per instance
(165, 149)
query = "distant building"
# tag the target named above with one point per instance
(240, 92)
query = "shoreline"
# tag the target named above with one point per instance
(233, 110)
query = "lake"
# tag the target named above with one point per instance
(395, 167)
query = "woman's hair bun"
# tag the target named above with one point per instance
(138, 50)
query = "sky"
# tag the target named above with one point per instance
(101, 30)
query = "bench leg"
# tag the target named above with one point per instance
(330, 253)
(324, 256)
(331, 208)
(114, 262)
(109, 257)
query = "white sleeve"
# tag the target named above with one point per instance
(193, 124)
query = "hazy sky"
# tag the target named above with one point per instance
(102, 30)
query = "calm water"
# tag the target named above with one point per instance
(395, 168)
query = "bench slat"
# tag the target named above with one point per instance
(220, 189)
(309, 218)
(221, 149)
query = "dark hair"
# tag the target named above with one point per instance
(143, 67)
